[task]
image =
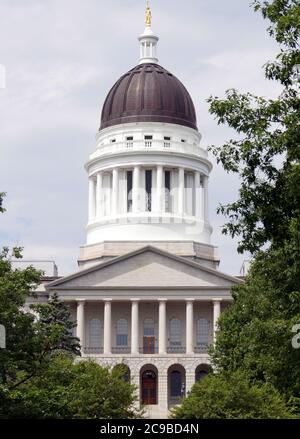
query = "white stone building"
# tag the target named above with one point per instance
(148, 292)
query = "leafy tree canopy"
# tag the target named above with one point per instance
(266, 153)
(255, 332)
(229, 396)
(80, 390)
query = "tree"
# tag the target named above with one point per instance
(29, 342)
(22, 347)
(266, 153)
(55, 326)
(2, 195)
(255, 332)
(230, 396)
(80, 390)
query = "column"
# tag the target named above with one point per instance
(136, 189)
(107, 327)
(181, 191)
(198, 195)
(217, 313)
(162, 340)
(100, 207)
(135, 326)
(92, 199)
(205, 198)
(190, 326)
(80, 329)
(159, 189)
(115, 192)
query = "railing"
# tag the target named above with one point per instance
(154, 145)
(121, 350)
(176, 349)
(201, 348)
(148, 203)
(96, 351)
(148, 350)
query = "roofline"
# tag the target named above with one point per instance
(135, 253)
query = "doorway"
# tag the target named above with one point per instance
(149, 386)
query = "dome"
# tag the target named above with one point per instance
(148, 93)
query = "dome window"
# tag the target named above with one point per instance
(167, 142)
(148, 141)
(112, 140)
(129, 141)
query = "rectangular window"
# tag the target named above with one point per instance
(122, 340)
(168, 200)
(167, 142)
(129, 141)
(113, 141)
(129, 191)
(148, 191)
(148, 141)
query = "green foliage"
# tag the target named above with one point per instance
(230, 396)
(38, 375)
(80, 390)
(266, 152)
(22, 347)
(55, 327)
(2, 195)
(255, 332)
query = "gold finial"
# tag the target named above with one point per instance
(148, 15)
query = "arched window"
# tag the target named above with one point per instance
(95, 333)
(202, 371)
(201, 374)
(122, 332)
(149, 328)
(175, 332)
(202, 332)
(176, 384)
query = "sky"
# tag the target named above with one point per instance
(61, 58)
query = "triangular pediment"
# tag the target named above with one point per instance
(148, 267)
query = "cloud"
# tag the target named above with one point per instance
(61, 59)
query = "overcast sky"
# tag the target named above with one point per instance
(61, 59)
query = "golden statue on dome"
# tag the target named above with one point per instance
(148, 15)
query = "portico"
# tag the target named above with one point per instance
(139, 327)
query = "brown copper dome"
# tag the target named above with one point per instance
(148, 93)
